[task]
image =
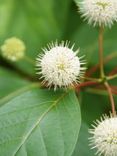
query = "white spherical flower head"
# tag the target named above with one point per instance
(13, 49)
(60, 66)
(104, 137)
(99, 12)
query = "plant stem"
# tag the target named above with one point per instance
(93, 79)
(96, 91)
(111, 98)
(99, 91)
(101, 61)
(86, 84)
(28, 59)
(112, 77)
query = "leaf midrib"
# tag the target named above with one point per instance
(38, 121)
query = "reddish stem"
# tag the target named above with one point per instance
(111, 98)
(85, 84)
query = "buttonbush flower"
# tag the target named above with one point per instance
(99, 12)
(104, 137)
(59, 65)
(13, 49)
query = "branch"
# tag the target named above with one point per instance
(111, 98)
(86, 84)
(101, 64)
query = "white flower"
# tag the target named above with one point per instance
(13, 49)
(104, 137)
(59, 65)
(99, 12)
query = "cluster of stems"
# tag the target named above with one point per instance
(103, 78)
(102, 73)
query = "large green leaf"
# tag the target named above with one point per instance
(38, 122)
(10, 82)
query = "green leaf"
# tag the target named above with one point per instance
(10, 82)
(82, 147)
(93, 106)
(39, 122)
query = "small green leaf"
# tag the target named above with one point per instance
(39, 122)
(82, 146)
(93, 106)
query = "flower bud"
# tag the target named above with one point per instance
(13, 49)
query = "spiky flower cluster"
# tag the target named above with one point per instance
(99, 12)
(59, 65)
(104, 137)
(13, 49)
